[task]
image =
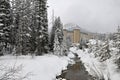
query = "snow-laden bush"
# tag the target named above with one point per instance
(12, 73)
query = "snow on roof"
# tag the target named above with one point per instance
(71, 27)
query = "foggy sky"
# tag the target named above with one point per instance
(93, 15)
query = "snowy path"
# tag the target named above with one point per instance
(105, 69)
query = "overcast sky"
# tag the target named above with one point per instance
(93, 15)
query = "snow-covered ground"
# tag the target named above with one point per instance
(106, 69)
(46, 67)
(41, 68)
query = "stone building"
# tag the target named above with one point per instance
(75, 35)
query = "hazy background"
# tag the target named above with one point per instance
(93, 15)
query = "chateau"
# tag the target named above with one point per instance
(75, 35)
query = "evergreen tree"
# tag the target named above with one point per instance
(60, 31)
(57, 47)
(54, 27)
(118, 62)
(22, 20)
(5, 23)
(117, 39)
(117, 45)
(41, 27)
(29, 32)
(58, 37)
(30, 26)
(95, 48)
(57, 25)
(104, 52)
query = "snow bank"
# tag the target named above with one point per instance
(42, 68)
(106, 69)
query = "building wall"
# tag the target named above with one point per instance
(68, 35)
(71, 35)
(76, 38)
(65, 34)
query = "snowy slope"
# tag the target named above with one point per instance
(42, 67)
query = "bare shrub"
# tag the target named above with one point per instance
(13, 73)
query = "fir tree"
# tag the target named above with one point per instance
(95, 48)
(41, 26)
(118, 62)
(117, 39)
(29, 32)
(30, 26)
(104, 52)
(58, 36)
(22, 21)
(57, 47)
(57, 25)
(5, 22)
(54, 27)
(117, 45)
(60, 31)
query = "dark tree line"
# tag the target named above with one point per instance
(23, 27)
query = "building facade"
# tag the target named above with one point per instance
(75, 36)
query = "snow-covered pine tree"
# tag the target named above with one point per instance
(57, 47)
(22, 21)
(41, 27)
(117, 39)
(57, 25)
(95, 48)
(59, 33)
(30, 26)
(118, 62)
(5, 23)
(52, 36)
(104, 52)
(45, 41)
(117, 45)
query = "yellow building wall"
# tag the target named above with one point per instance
(76, 37)
(71, 35)
(65, 34)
